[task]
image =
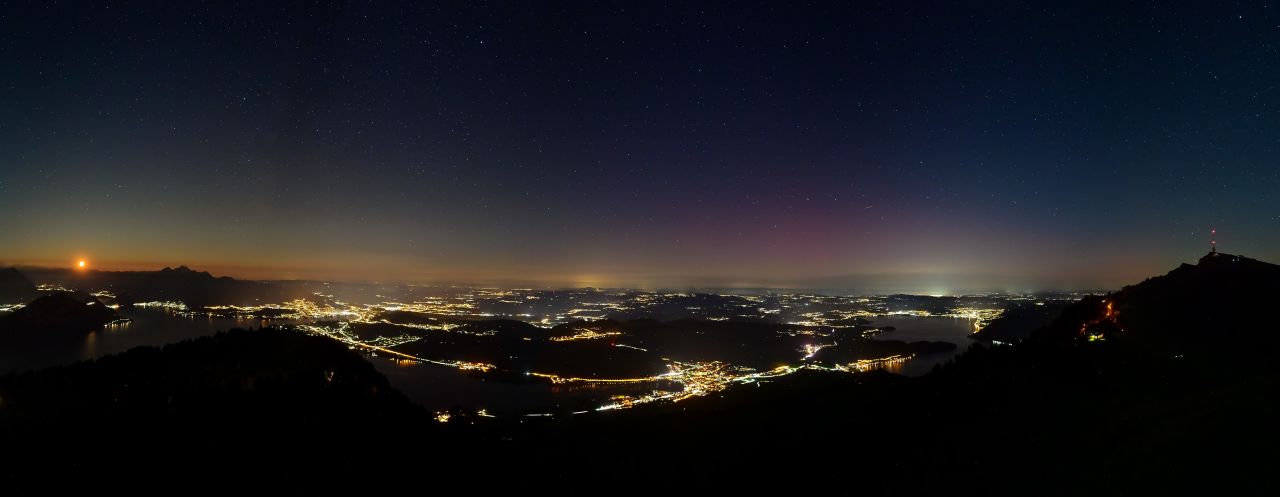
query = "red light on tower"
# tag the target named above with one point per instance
(1213, 241)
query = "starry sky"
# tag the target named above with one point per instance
(873, 146)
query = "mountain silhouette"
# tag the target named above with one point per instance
(1017, 322)
(1220, 302)
(186, 272)
(15, 287)
(182, 284)
(61, 313)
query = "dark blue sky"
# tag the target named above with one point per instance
(874, 146)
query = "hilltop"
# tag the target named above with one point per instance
(1193, 310)
(15, 287)
(61, 314)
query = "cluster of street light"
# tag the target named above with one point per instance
(586, 335)
(342, 332)
(698, 379)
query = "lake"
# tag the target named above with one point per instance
(932, 329)
(147, 327)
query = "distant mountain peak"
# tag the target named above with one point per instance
(185, 271)
(64, 311)
(1216, 301)
(1216, 257)
(15, 287)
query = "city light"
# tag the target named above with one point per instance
(384, 328)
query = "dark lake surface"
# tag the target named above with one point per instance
(148, 327)
(931, 329)
(432, 386)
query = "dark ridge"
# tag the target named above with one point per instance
(1017, 322)
(186, 272)
(181, 284)
(59, 314)
(271, 401)
(1221, 302)
(15, 287)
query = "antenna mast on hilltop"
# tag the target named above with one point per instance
(1213, 241)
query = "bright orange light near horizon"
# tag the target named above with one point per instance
(81, 264)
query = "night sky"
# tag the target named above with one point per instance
(853, 145)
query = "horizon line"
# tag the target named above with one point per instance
(543, 286)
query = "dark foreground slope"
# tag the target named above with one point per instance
(15, 288)
(1017, 322)
(249, 400)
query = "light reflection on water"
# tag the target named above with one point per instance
(932, 329)
(894, 367)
